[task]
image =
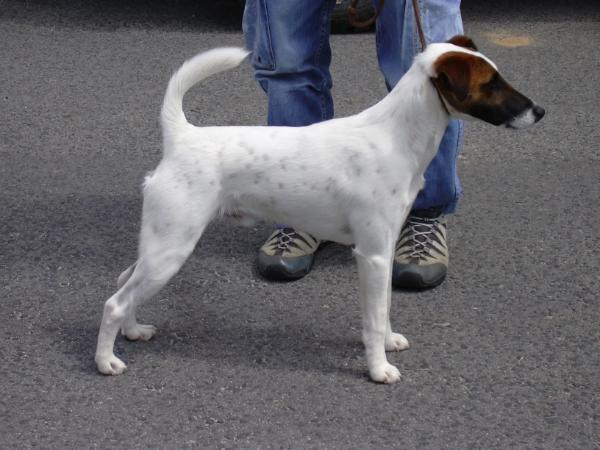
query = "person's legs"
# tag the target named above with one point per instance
(421, 254)
(289, 40)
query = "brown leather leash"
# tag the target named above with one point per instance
(355, 21)
(419, 24)
(423, 41)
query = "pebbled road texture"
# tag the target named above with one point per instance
(505, 354)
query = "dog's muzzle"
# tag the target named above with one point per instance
(527, 118)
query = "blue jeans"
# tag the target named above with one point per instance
(289, 40)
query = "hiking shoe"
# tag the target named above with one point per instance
(287, 254)
(421, 257)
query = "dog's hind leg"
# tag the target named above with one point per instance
(169, 234)
(125, 275)
(374, 252)
(131, 329)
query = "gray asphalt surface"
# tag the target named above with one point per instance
(505, 354)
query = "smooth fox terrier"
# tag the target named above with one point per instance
(350, 180)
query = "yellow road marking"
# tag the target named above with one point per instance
(505, 39)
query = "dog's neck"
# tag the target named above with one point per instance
(411, 115)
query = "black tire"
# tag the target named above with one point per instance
(339, 16)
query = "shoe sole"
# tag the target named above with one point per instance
(412, 280)
(278, 273)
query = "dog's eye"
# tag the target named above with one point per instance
(496, 83)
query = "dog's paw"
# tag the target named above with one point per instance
(395, 342)
(110, 365)
(139, 332)
(385, 373)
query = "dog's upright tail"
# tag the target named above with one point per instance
(191, 72)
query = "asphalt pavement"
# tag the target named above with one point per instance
(505, 353)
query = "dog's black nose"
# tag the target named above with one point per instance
(538, 112)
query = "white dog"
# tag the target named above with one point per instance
(350, 180)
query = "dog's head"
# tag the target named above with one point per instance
(470, 85)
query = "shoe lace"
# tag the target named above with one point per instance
(285, 237)
(421, 232)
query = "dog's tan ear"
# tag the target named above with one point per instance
(463, 41)
(452, 75)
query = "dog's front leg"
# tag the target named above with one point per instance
(394, 342)
(375, 275)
